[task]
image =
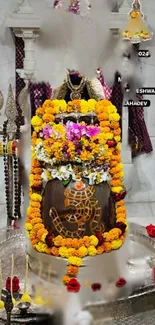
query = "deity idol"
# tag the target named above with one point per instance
(76, 219)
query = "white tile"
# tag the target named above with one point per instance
(139, 210)
(153, 208)
(142, 221)
(3, 217)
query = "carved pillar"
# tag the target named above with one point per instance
(26, 25)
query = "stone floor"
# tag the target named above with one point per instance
(141, 213)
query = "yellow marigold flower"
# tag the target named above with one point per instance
(36, 121)
(63, 252)
(122, 220)
(73, 260)
(93, 240)
(108, 136)
(117, 189)
(43, 237)
(58, 241)
(106, 236)
(70, 251)
(92, 251)
(118, 139)
(111, 109)
(41, 247)
(115, 233)
(83, 251)
(92, 104)
(36, 197)
(114, 117)
(115, 244)
(66, 279)
(28, 226)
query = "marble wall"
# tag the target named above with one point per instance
(59, 47)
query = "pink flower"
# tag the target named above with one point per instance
(47, 131)
(92, 131)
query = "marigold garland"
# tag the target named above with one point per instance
(75, 249)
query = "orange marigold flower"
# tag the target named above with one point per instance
(86, 241)
(113, 163)
(121, 215)
(72, 270)
(33, 141)
(100, 249)
(36, 220)
(116, 182)
(48, 103)
(50, 110)
(40, 232)
(37, 171)
(35, 215)
(69, 243)
(48, 118)
(105, 124)
(35, 204)
(121, 219)
(35, 163)
(55, 251)
(75, 243)
(121, 209)
(114, 125)
(117, 131)
(48, 251)
(34, 242)
(115, 233)
(103, 116)
(66, 279)
(107, 246)
(122, 237)
(33, 210)
(116, 158)
(40, 111)
(58, 241)
(38, 226)
(117, 176)
(120, 203)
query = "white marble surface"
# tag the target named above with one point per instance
(50, 67)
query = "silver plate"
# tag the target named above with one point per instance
(141, 305)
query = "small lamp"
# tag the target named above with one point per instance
(137, 29)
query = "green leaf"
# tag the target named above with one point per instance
(65, 182)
